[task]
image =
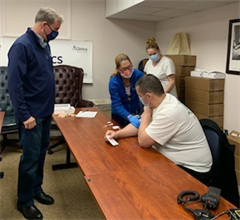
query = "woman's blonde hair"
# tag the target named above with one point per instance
(119, 58)
(152, 44)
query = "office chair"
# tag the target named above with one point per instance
(223, 175)
(69, 81)
(9, 123)
(142, 64)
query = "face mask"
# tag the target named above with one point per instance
(154, 57)
(141, 100)
(52, 35)
(126, 74)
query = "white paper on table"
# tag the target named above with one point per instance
(86, 114)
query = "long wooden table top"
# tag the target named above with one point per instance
(85, 138)
(1, 120)
(127, 181)
(147, 193)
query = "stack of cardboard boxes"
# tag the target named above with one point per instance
(184, 64)
(204, 96)
(234, 139)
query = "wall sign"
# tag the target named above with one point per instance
(73, 53)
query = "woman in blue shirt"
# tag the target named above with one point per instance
(125, 104)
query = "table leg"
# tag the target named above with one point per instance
(66, 165)
(1, 173)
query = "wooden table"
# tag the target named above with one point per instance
(1, 122)
(85, 138)
(127, 181)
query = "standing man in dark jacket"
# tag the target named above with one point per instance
(31, 86)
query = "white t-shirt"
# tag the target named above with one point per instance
(179, 135)
(162, 70)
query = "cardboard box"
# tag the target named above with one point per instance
(180, 81)
(183, 70)
(205, 109)
(237, 163)
(238, 176)
(204, 84)
(204, 96)
(183, 60)
(234, 138)
(217, 119)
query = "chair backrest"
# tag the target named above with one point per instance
(142, 64)
(9, 122)
(68, 80)
(213, 142)
(223, 168)
(5, 102)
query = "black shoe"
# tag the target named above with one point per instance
(30, 212)
(44, 199)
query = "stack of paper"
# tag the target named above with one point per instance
(86, 114)
(214, 75)
(196, 73)
(207, 74)
(63, 108)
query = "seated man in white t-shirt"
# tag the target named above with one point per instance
(171, 128)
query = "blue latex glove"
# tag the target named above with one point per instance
(134, 120)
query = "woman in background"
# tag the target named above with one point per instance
(125, 104)
(160, 66)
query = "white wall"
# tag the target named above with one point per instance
(86, 22)
(109, 37)
(208, 33)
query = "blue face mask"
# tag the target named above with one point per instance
(52, 35)
(154, 57)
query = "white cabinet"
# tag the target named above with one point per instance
(115, 6)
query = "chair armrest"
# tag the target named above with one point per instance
(84, 103)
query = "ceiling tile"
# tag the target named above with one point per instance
(159, 10)
(142, 10)
(173, 12)
(152, 18)
(226, 1)
(162, 4)
(199, 5)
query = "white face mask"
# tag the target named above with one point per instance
(126, 74)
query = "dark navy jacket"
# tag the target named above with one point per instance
(121, 106)
(30, 75)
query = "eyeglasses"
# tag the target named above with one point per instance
(126, 68)
(50, 27)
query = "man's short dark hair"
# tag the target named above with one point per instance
(150, 83)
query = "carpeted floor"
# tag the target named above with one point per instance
(73, 199)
